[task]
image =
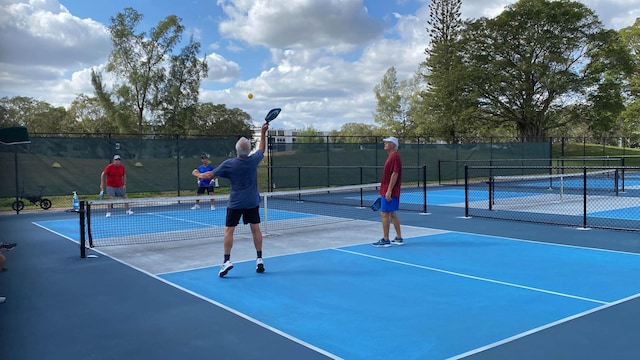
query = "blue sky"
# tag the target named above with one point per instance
(318, 60)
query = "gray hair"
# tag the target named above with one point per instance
(243, 147)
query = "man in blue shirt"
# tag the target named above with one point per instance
(244, 197)
(204, 184)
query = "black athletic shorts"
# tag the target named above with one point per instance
(249, 216)
(202, 189)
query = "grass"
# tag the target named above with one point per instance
(75, 172)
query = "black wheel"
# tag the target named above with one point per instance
(45, 204)
(18, 205)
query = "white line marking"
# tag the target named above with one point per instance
(180, 219)
(476, 277)
(543, 327)
(242, 315)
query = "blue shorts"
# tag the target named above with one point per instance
(249, 216)
(390, 206)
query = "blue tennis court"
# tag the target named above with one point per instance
(436, 297)
(327, 293)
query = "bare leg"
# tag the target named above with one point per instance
(257, 236)
(228, 239)
(385, 225)
(396, 224)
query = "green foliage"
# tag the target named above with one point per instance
(448, 100)
(533, 58)
(388, 96)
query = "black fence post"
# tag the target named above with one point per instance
(83, 241)
(424, 188)
(584, 194)
(466, 190)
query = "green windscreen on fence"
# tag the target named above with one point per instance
(67, 164)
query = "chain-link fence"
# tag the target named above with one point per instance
(57, 165)
(588, 196)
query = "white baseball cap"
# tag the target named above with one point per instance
(116, 157)
(391, 139)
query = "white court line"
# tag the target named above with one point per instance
(543, 327)
(180, 219)
(476, 277)
(222, 306)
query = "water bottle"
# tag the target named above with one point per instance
(76, 202)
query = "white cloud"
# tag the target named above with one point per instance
(338, 25)
(43, 34)
(42, 46)
(221, 69)
(325, 56)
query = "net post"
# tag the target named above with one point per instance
(299, 183)
(615, 181)
(83, 243)
(466, 190)
(491, 192)
(88, 217)
(266, 214)
(424, 188)
(584, 195)
(623, 167)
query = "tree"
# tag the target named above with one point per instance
(447, 100)
(177, 99)
(310, 135)
(37, 116)
(630, 117)
(137, 59)
(16, 110)
(90, 115)
(119, 114)
(388, 108)
(532, 60)
(212, 119)
(355, 133)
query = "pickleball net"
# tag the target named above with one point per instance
(165, 219)
(554, 187)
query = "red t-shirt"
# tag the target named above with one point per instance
(114, 175)
(392, 165)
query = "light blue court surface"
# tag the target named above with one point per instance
(438, 296)
(629, 213)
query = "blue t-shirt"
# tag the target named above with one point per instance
(203, 169)
(242, 173)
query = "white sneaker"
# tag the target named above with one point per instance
(129, 212)
(2, 299)
(195, 207)
(108, 214)
(259, 265)
(213, 207)
(224, 269)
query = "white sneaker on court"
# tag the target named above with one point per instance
(195, 207)
(224, 269)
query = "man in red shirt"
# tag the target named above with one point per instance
(116, 182)
(390, 193)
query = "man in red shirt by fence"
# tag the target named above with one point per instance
(116, 181)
